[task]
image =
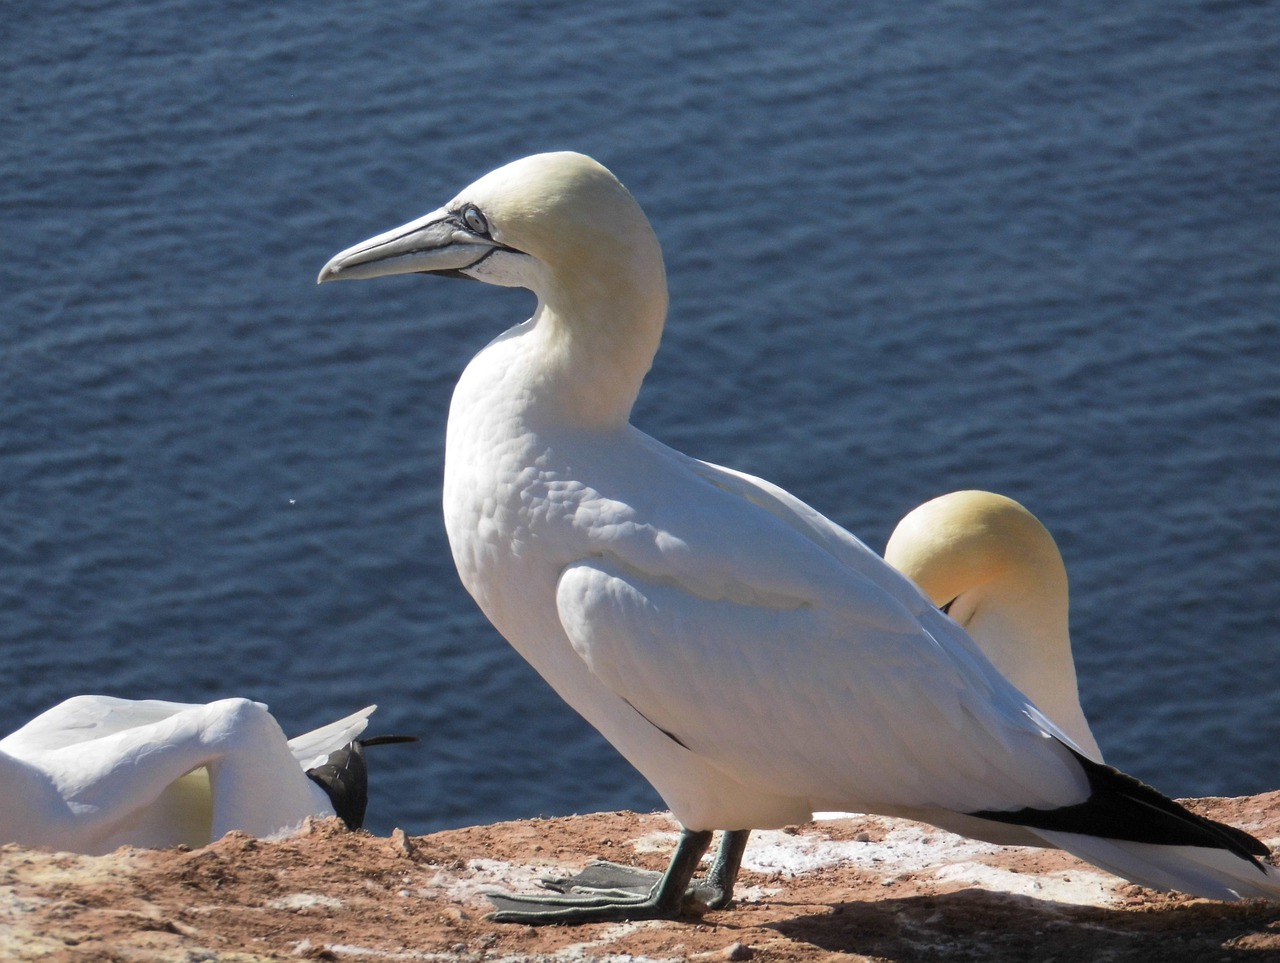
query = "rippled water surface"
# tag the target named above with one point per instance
(911, 249)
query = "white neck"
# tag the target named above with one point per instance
(580, 360)
(592, 358)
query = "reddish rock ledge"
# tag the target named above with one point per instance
(846, 889)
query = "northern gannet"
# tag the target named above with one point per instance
(96, 772)
(754, 660)
(993, 567)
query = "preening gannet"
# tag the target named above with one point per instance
(994, 568)
(96, 772)
(755, 661)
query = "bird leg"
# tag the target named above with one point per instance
(610, 904)
(715, 890)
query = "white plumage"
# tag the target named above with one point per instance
(96, 772)
(750, 657)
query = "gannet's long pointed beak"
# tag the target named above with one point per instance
(437, 243)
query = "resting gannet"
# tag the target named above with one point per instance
(96, 772)
(753, 660)
(993, 567)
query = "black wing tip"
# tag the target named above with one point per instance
(345, 780)
(386, 740)
(344, 777)
(1124, 808)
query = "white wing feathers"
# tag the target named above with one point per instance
(312, 748)
(85, 718)
(1199, 870)
(881, 712)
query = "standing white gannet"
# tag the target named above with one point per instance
(993, 567)
(751, 658)
(96, 772)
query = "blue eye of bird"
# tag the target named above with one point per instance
(475, 221)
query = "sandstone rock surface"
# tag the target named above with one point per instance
(846, 889)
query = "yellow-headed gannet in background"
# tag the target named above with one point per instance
(751, 658)
(96, 772)
(994, 568)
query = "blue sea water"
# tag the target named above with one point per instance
(912, 248)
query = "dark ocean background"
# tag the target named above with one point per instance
(912, 248)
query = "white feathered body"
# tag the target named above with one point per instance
(751, 658)
(97, 772)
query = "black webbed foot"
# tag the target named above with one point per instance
(664, 898)
(611, 892)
